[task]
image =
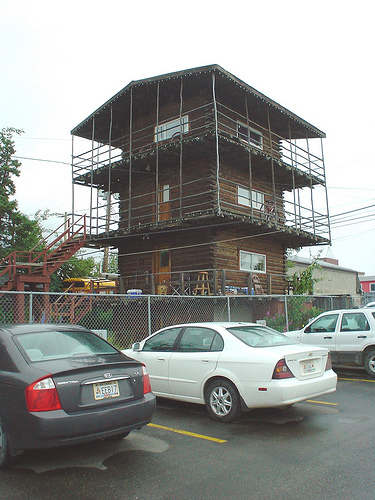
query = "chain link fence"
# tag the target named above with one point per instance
(126, 319)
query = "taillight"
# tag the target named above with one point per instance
(146, 381)
(42, 395)
(281, 371)
(329, 362)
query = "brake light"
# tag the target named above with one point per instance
(281, 370)
(42, 395)
(146, 381)
(329, 362)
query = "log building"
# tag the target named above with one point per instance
(202, 183)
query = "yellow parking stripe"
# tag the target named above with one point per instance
(321, 402)
(186, 433)
(357, 380)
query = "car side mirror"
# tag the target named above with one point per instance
(307, 329)
(136, 346)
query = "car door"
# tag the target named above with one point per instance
(322, 332)
(354, 334)
(194, 359)
(155, 354)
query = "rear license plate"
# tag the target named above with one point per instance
(105, 390)
(308, 367)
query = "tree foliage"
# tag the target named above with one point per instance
(17, 231)
(75, 267)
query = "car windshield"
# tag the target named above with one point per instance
(260, 336)
(56, 344)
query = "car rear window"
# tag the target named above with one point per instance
(55, 344)
(260, 336)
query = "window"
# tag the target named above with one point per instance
(244, 196)
(166, 130)
(324, 324)
(196, 339)
(372, 287)
(354, 322)
(252, 262)
(162, 341)
(249, 135)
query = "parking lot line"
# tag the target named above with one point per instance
(321, 402)
(357, 380)
(187, 433)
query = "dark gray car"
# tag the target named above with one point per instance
(62, 385)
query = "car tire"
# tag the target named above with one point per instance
(223, 401)
(369, 363)
(4, 447)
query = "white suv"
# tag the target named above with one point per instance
(348, 333)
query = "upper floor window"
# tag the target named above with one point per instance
(250, 198)
(252, 262)
(249, 135)
(167, 130)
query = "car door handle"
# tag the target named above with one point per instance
(362, 337)
(205, 360)
(327, 338)
(161, 358)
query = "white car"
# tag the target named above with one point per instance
(370, 304)
(233, 367)
(349, 334)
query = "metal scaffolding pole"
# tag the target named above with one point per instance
(181, 131)
(326, 191)
(217, 145)
(311, 186)
(272, 165)
(130, 158)
(249, 157)
(157, 153)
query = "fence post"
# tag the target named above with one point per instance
(286, 313)
(228, 306)
(31, 308)
(149, 313)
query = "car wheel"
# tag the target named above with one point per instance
(369, 363)
(4, 447)
(223, 401)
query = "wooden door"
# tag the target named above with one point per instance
(162, 267)
(164, 210)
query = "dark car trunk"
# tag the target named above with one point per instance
(87, 382)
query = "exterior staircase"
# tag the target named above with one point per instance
(20, 269)
(31, 271)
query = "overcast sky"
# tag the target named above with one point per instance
(61, 60)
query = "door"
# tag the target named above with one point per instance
(322, 332)
(354, 334)
(162, 266)
(164, 205)
(193, 362)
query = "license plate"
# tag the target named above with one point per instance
(105, 390)
(308, 367)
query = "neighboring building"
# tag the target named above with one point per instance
(368, 288)
(197, 175)
(332, 278)
(368, 284)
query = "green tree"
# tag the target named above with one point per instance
(17, 231)
(76, 267)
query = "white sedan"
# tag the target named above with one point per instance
(233, 367)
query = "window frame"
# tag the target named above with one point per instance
(166, 130)
(249, 198)
(251, 268)
(247, 137)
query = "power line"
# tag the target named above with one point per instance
(40, 159)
